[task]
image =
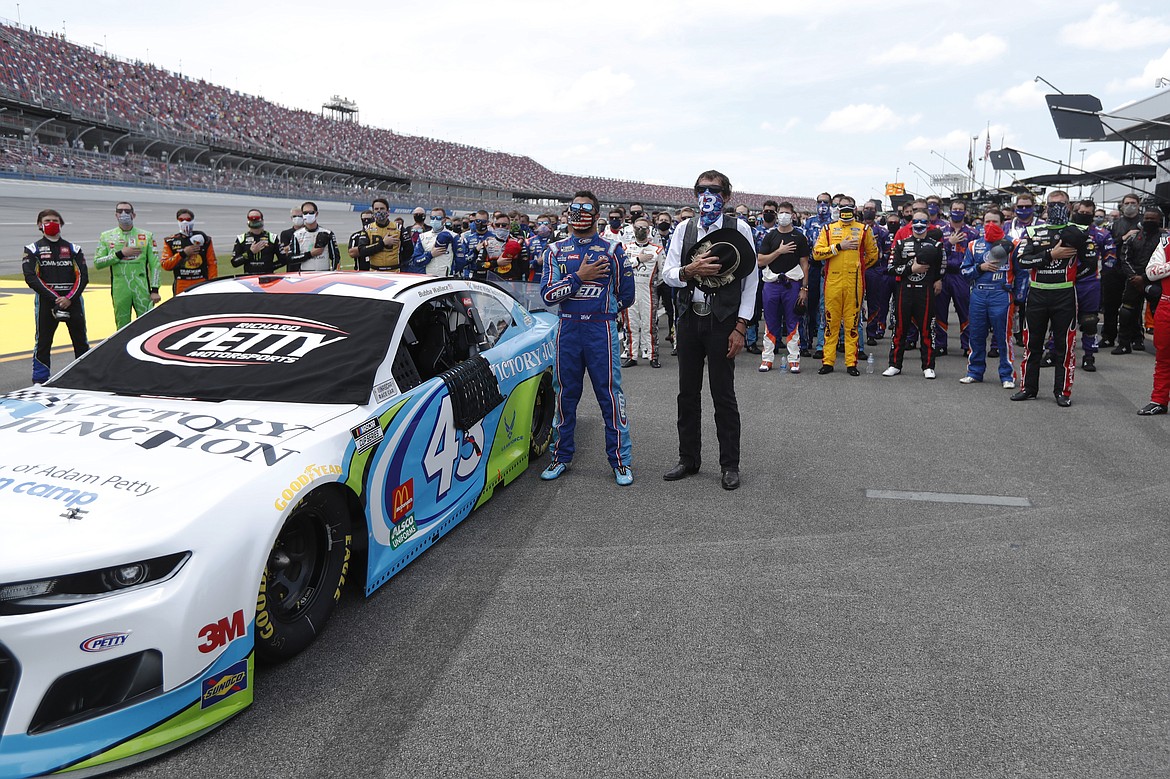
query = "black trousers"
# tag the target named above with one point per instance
(1055, 309)
(913, 312)
(704, 339)
(1130, 321)
(667, 294)
(47, 329)
(1112, 291)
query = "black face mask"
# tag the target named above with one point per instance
(1084, 220)
(1151, 225)
(769, 216)
(420, 218)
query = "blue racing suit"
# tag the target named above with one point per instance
(587, 339)
(989, 302)
(812, 327)
(466, 252)
(536, 246)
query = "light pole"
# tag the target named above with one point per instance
(1082, 173)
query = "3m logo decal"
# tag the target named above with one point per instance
(239, 339)
(223, 632)
(222, 686)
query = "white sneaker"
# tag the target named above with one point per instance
(891, 371)
(929, 373)
(794, 366)
(1009, 384)
(966, 380)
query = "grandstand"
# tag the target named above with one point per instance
(69, 112)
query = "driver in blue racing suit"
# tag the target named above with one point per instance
(587, 277)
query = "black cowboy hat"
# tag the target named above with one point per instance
(737, 256)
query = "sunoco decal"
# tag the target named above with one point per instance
(221, 686)
(238, 339)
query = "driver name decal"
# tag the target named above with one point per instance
(238, 339)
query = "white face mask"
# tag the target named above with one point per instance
(310, 219)
(784, 219)
(298, 221)
(186, 227)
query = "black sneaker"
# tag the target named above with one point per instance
(626, 362)
(1106, 343)
(1023, 395)
(818, 354)
(1121, 349)
(1089, 363)
(805, 353)
(1064, 401)
(825, 369)
(852, 370)
(1152, 409)
(993, 353)
(1139, 346)
(871, 341)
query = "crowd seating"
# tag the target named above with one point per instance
(53, 72)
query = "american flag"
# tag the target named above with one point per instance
(987, 148)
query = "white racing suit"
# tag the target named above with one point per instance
(641, 319)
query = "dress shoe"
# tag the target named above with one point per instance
(1121, 349)
(1023, 395)
(627, 362)
(1152, 409)
(1089, 363)
(680, 471)
(825, 369)
(1064, 401)
(852, 370)
(655, 364)
(818, 354)
(993, 353)
(730, 480)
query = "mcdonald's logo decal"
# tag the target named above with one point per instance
(403, 502)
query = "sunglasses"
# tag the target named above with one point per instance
(308, 213)
(544, 223)
(501, 224)
(920, 222)
(185, 219)
(586, 207)
(123, 210)
(714, 189)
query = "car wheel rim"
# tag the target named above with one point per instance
(296, 565)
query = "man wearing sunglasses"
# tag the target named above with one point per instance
(541, 237)
(135, 271)
(711, 329)
(189, 254)
(587, 277)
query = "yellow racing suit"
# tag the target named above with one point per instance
(844, 282)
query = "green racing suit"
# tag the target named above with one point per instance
(132, 281)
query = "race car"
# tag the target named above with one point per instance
(192, 495)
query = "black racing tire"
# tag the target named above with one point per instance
(303, 577)
(543, 409)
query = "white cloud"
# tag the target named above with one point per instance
(765, 125)
(1028, 95)
(600, 86)
(791, 123)
(955, 140)
(1112, 29)
(985, 47)
(864, 117)
(641, 148)
(1154, 69)
(1099, 160)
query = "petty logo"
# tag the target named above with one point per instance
(103, 642)
(236, 339)
(217, 688)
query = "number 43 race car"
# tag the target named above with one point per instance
(191, 495)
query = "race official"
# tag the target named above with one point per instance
(711, 330)
(587, 278)
(54, 269)
(189, 254)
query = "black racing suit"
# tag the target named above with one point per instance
(1133, 256)
(1113, 279)
(915, 295)
(55, 270)
(1052, 300)
(267, 260)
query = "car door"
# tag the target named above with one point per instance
(428, 471)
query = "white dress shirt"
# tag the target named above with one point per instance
(673, 266)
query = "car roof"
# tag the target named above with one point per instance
(387, 286)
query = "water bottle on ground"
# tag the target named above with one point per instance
(869, 363)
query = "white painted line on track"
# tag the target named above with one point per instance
(950, 497)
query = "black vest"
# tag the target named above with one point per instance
(724, 300)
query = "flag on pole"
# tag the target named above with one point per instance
(987, 148)
(971, 155)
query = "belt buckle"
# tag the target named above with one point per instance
(701, 308)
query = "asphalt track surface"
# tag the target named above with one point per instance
(794, 628)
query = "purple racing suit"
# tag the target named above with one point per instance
(879, 285)
(587, 340)
(954, 287)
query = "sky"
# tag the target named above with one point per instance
(785, 97)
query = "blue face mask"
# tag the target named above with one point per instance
(823, 209)
(615, 224)
(710, 208)
(958, 216)
(1025, 212)
(932, 209)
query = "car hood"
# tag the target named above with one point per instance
(86, 476)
